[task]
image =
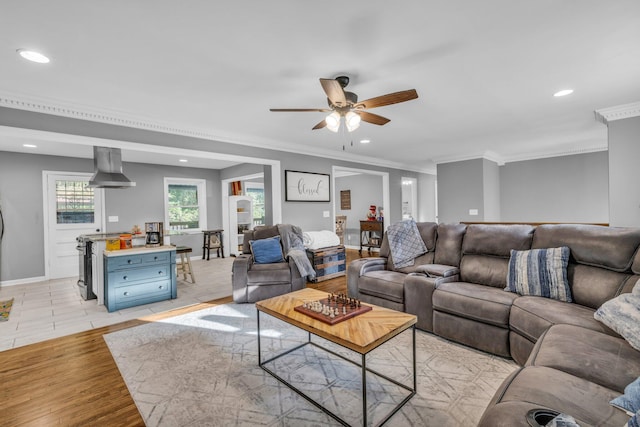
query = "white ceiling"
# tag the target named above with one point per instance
(485, 71)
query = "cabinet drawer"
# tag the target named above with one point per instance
(370, 226)
(117, 262)
(142, 274)
(151, 291)
(156, 257)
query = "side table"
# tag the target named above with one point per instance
(371, 234)
(212, 240)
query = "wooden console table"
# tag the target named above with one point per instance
(371, 234)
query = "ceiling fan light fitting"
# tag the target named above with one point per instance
(333, 121)
(352, 120)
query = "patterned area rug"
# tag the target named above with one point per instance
(201, 369)
(5, 309)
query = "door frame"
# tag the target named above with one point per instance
(45, 211)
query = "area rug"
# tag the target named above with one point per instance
(201, 369)
(5, 310)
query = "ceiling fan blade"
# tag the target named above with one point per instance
(281, 110)
(320, 125)
(373, 118)
(388, 99)
(334, 92)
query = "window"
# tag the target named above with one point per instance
(74, 202)
(255, 190)
(185, 204)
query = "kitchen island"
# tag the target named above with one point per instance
(140, 275)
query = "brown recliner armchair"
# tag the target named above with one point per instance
(254, 282)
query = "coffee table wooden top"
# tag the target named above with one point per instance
(361, 333)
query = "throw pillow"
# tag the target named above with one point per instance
(540, 272)
(266, 251)
(630, 400)
(622, 314)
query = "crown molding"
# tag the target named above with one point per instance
(619, 112)
(501, 160)
(125, 119)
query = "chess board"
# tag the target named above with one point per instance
(340, 317)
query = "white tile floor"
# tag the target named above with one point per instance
(54, 308)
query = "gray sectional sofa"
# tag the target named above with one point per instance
(571, 362)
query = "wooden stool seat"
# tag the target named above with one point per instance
(184, 266)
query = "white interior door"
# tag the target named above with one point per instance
(71, 209)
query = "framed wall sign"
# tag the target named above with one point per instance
(345, 200)
(306, 187)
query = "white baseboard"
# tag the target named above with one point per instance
(23, 281)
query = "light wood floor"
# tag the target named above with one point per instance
(74, 381)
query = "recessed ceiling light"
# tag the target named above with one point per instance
(563, 92)
(29, 146)
(183, 160)
(365, 141)
(33, 56)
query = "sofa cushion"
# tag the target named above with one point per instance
(269, 273)
(383, 284)
(267, 251)
(599, 246)
(540, 272)
(496, 240)
(594, 356)
(449, 244)
(593, 286)
(622, 314)
(531, 316)
(549, 388)
(477, 302)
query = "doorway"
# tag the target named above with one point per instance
(369, 187)
(70, 209)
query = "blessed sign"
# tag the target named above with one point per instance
(306, 187)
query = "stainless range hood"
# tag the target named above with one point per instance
(107, 163)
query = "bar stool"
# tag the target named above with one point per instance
(184, 266)
(212, 240)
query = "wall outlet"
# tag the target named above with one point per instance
(473, 212)
(113, 218)
(326, 214)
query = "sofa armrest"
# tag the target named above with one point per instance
(438, 270)
(357, 268)
(418, 292)
(241, 266)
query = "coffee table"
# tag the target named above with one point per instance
(360, 334)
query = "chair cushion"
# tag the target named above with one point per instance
(269, 273)
(531, 316)
(267, 251)
(384, 284)
(476, 302)
(540, 272)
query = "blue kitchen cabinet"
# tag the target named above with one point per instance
(139, 276)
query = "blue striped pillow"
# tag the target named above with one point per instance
(540, 272)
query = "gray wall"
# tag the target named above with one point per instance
(557, 189)
(366, 190)
(21, 192)
(307, 215)
(460, 188)
(624, 154)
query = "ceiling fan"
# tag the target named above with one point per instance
(345, 104)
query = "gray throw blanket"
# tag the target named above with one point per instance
(405, 243)
(293, 246)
